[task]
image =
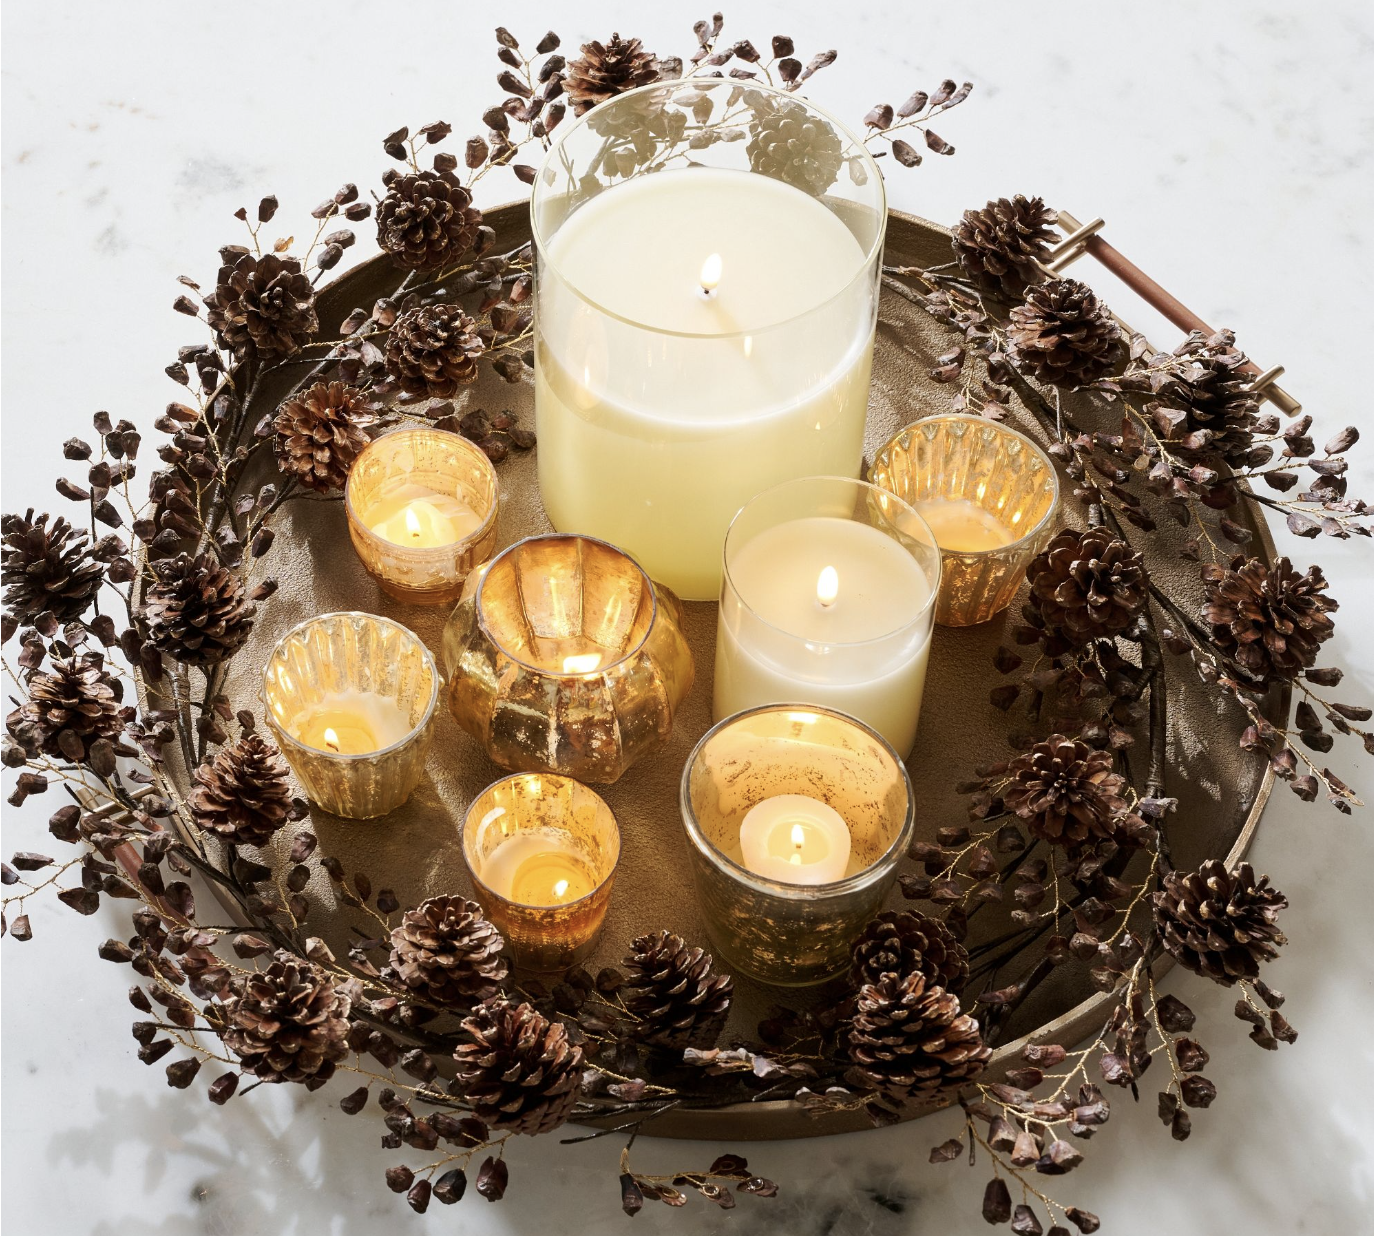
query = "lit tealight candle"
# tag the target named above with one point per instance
(961, 526)
(795, 839)
(418, 517)
(351, 723)
(538, 869)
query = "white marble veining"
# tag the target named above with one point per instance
(1229, 148)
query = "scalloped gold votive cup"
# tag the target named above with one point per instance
(447, 463)
(553, 937)
(793, 935)
(347, 656)
(992, 466)
(564, 657)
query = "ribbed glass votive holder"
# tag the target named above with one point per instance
(987, 476)
(793, 935)
(350, 697)
(566, 841)
(421, 461)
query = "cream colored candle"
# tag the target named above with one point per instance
(796, 839)
(961, 526)
(538, 869)
(351, 723)
(414, 515)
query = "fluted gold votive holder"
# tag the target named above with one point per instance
(564, 657)
(971, 475)
(350, 698)
(784, 934)
(422, 460)
(538, 833)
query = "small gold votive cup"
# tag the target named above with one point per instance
(564, 657)
(971, 459)
(373, 681)
(793, 935)
(574, 821)
(434, 459)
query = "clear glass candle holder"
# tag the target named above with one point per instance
(564, 657)
(989, 475)
(350, 698)
(544, 814)
(707, 260)
(828, 597)
(793, 935)
(427, 459)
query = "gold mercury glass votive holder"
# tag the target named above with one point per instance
(564, 657)
(575, 823)
(989, 468)
(362, 676)
(793, 935)
(433, 459)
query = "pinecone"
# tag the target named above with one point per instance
(1086, 586)
(672, 991)
(1219, 924)
(426, 220)
(319, 434)
(287, 1023)
(1063, 335)
(74, 704)
(999, 246)
(790, 145)
(608, 69)
(261, 305)
(447, 953)
(519, 1071)
(433, 350)
(909, 942)
(1066, 791)
(47, 568)
(196, 610)
(909, 1039)
(1270, 621)
(244, 793)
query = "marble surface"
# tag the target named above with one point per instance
(1228, 146)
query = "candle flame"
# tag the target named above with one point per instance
(331, 739)
(748, 346)
(798, 836)
(582, 663)
(412, 523)
(560, 889)
(710, 273)
(827, 586)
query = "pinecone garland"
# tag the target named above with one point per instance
(433, 350)
(672, 991)
(447, 953)
(320, 434)
(1219, 924)
(789, 144)
(518, 1071)
(74, 704)
(196, 610)
(262, 305)
(909, 1039)
(1063, 335)
(244, 793)
(1066, 791)
(608, 69)
(287, 1023)
(999, 246)
(426, 220)
(1086, 586)
(47, 568)
(909, 942)
(1269, 620)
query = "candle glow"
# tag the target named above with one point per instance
(827, 586)
(711, 270)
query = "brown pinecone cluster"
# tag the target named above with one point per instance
(244, 793)
(1218, 923)
(518, 1070)
(1000, 247)
(320, 433)
(71, 706)
(426, 220)
(1269, 620)
(447, 953)
(196, 610)
(433, 350)
(1086, 586)
(1061, 334)
(905, 943)
(47, 568)
(671, 989)
(287, 1023)
(1067, 792)
(605, 70)
(262, 305)
(791, 145)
